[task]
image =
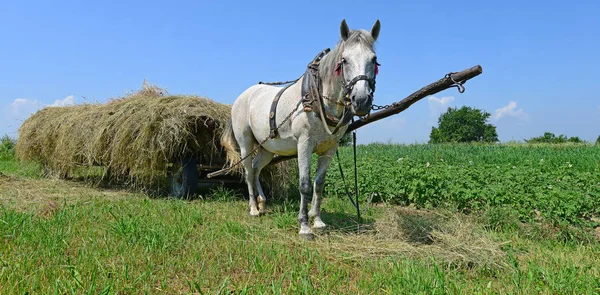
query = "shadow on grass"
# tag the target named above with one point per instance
(346, 222)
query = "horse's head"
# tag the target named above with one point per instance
(358, 66)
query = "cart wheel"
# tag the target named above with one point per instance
(184, 179)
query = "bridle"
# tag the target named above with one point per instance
(349, 86)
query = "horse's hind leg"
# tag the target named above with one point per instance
(246, 142)
(260, 161)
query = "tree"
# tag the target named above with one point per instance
(598, 140)
(463, 125)
(346, 140)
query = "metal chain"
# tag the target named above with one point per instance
(378, 107)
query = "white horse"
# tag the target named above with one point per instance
(346, 82)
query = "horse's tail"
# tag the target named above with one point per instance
(229, 143)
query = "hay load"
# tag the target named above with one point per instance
(133, 139)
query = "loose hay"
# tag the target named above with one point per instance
(448, 238)
(133, 139)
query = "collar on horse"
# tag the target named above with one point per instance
(312, 96)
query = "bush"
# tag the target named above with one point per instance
(7, 147)
(549, 137)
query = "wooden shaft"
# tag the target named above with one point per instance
(430, 89)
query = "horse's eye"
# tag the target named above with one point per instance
(375, 61)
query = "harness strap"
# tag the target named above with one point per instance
(329, 120)
(310, 78)
(273, 112)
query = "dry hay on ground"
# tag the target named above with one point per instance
(134, 139)
(449, 238)
(43, 196)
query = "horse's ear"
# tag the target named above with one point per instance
(344, 30)
(375, 30)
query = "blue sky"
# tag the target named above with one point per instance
(540, 59)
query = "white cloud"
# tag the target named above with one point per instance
(23, 106)
(63, 102)
(14, 113)
(437, 106)
(510, 110)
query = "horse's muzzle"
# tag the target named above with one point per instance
(362, 106)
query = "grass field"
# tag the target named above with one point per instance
(424, 231)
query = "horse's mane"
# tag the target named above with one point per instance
(329, 62)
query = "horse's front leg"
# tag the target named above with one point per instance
(315, 209)
(304, 162)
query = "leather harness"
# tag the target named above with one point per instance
(312, 98)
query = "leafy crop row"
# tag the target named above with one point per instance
(561, 183)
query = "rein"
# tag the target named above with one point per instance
(354, 202)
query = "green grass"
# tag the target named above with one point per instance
(68, 237)
(10, 166)
(135, 245)
(14, 168)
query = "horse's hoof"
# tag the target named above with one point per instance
(307, 236)
(319, 229)
(262, 205)
(254, 213)
(262, 210)
(318, 225)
